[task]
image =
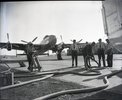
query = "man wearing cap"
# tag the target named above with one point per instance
(101, 52)
(74, 51)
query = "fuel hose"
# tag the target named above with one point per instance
(86, 90)
(76, 91)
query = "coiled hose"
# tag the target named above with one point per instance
(72, 91)
(86, 90)
(75, 91)
(49, 74)
(87, 66)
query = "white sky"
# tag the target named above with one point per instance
(71, 19)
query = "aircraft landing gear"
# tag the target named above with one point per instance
(59, 57)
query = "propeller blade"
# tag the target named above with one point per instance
(61, 38)
(24, 41)
(8, 36)
(34, 39)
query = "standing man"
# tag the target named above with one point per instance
(74, 52)
(101, 52)
(89, 53)
(89, 49)
(109, 51)
(30, 51)
(60, 47)
(84, 52)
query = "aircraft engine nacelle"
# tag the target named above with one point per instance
(54, 49)
(60, 46)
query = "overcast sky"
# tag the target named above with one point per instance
(71, 19)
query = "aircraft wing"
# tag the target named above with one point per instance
(17, 46)
(69, 45)
(66, 45)
(80, 45)
(61, 46)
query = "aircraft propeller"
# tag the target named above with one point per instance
(24, 41)
(61, 38)
(34, 39)
(8, 36)
(31, 41)
(8, 44)
(60, 45)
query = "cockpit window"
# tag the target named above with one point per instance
(46, 36)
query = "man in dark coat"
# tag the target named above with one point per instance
(101, 52)
(30, 51)
(109, 52)
(88, 52)
(74, 51)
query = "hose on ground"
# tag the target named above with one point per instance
(48, 73)
(59, 73)
(25, 83)
(75, 91)
(86, 90)
(87, 62)
(87, 66)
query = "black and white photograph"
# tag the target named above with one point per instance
(61, 50)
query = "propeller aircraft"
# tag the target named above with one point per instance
(48, 43)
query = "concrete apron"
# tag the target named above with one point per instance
(94, 81)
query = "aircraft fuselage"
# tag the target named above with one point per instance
(48, 42)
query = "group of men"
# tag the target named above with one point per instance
(102, 49)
